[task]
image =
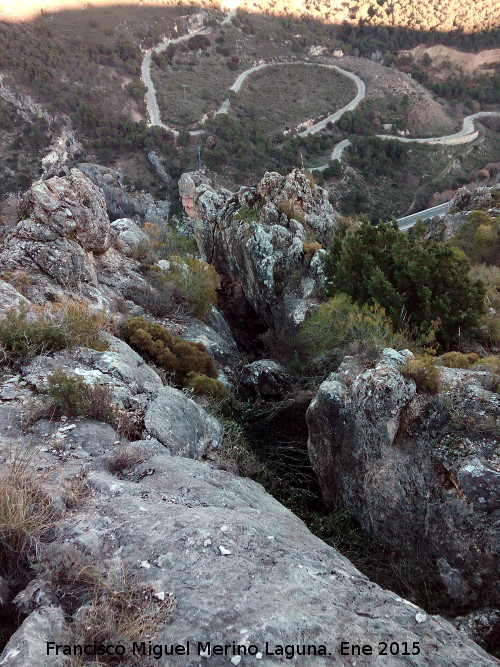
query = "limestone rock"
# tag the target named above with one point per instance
(119, 367)
(64, 243)
(28, 644)
(266, 378)
(180, 424)
(120, 201)
(256, 237)
(10, 298)
(222, 545)
(129, 233)
(401, 464)
(155, 160)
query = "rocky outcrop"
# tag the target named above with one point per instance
(268, 239)
(121, 202)
(242, 569)
(132, 381)
(155, 160)
(182, 425)
(64, 245)
(129, 234)
(26, 646)
(10, 298)
(484, 199)
(64, 148)
(266, 378)
(419, 471)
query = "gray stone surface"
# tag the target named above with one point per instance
(121, 202)
(241, 566)
(10, 298)
(119, 367)
(266, 378)
(401, 462)
(129, 233)
(27, 647)
(253, 238)
(182, 425)
(66, 246)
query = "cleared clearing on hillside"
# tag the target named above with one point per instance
(281, 96)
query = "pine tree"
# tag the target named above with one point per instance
(420, 283)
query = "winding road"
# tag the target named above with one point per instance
(466, 134)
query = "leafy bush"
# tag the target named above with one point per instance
(489, 324)
(458, 360)
(25, 333)
(423, 370)
(341, 324)
(168, 351)
(247, 215)
(479, 237)
(202, 385)
(75, 398)
(421, 284)
(197, 283)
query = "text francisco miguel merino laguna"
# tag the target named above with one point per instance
(158, 651)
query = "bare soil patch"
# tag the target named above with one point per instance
(468, 62)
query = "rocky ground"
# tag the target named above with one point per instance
(212, 556)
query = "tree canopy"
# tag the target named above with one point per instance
(421, 284)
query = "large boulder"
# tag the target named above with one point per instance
(417, 470)
(268, 239)
(131, 380)
(266, 378)
(183, 426)
(64, 241)
(129, 233)
(28, 646)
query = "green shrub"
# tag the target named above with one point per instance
(202, 385)
(174, 355)
(422, 285)
(458, 360)
(479, 237)
(423, 370)
(247, 215)
(197, 283)
(75, 398)
(490, 364)
(341, 324)
(25, 333)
